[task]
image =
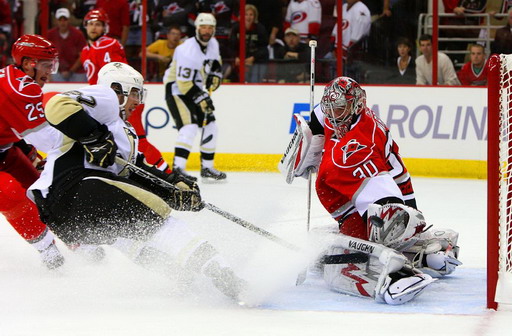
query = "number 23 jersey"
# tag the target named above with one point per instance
(102, 51)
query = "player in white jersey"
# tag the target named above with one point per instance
(356, 23)
(304, 16)
(86, 197)
(194, 73)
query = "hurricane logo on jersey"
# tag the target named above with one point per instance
(24, 82)
(298, 17)
(172, 9)
(351, 148)
(219, 8)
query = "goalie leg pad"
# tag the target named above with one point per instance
(394, 225)
(435, 252)
(386, 276)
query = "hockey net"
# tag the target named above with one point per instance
(499, 238)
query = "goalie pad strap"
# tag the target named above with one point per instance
(345, 258)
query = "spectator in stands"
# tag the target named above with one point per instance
(445, 71)
(380, 42)
(181, 12)
(404, 71)
(5, 32)
(256, 41)
(69, 42)
(270, 16)
(296, 55)
(163, 50)
(134, 41)
(355, 32)
(5, 18)
(474, 72)
(503, 39)
(460, 8)
(118, 12)
(304, 16)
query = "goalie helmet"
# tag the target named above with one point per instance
(124, 80)
(37, 48)
(204, 19)
(97, 15)
(343, 99)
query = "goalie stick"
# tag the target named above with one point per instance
(301, 277)
(155, 179)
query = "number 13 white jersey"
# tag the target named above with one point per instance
(187, 66)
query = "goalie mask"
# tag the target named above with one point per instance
(205, 19)
(343, 99)
(124, 80)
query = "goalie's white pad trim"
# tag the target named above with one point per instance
(298, 156)
(371, 279)
(394, 225)
(435, 252)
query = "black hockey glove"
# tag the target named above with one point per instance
(203, 100)
(100, 147)
(212, 82)
(182, 195)
(186, 196)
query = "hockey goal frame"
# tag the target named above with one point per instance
(499, 183)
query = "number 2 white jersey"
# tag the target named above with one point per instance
(102, 104)
(187, 66)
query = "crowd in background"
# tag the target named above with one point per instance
(381, 40)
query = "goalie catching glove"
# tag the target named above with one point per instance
(175, 189)
(100, 147)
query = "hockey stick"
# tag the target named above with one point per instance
(312, 45)
(155, 179)
(301, 277)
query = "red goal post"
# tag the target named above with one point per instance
(499, 183)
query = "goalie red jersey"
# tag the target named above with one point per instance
(21, 100)
(355, 171)
(98, 53)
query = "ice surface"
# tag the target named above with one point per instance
(116, 297)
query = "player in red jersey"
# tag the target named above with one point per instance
(101, 50)
(384, 250)
(474, 72)
(21, 99)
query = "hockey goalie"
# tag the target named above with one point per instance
(382, 248)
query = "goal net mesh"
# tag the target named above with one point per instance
(504, 286)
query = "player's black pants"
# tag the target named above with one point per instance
(96, 207)
(184, 111)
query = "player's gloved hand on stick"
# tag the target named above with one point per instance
(212, 82)
(186, 196)
(213, 69)
(204, 101)
(100, 147)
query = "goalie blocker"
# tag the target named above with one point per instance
(304, 152)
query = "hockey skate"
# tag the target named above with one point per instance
(226, 281)
(182, 172)
(90, 253)
(212, 173)
(51, 256)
